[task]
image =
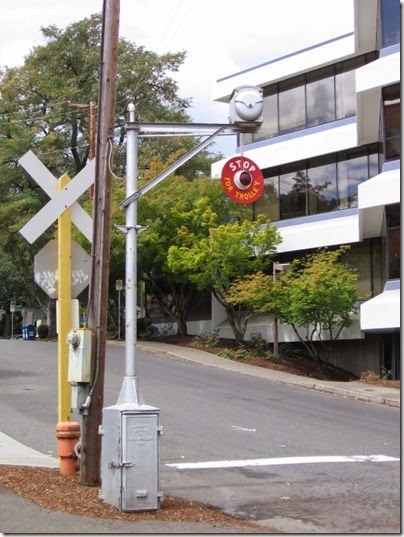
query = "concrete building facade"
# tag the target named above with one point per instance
(329, 149)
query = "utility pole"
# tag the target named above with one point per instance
(92, 107)
(98, 291)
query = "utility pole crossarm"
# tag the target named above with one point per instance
(154, 182)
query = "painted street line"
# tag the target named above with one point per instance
(238, 428)
(281, 461)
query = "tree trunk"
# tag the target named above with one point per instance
(51, 318)
(182, 326)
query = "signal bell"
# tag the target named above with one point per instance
(246, 106)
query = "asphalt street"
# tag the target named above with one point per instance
(210, 413)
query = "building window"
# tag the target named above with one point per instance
(390, 22)
(393, 241)
(351, 172)
(345, 94)
(269, 127)
(392, 110)
(318, 185)
(268, 203)
(308, 100)
(293, 194)
(322, 188)
(320, 101)
(292, 115)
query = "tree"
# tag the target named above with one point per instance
(36, 113)
(175, 211)
(317, 295)
(229, 251)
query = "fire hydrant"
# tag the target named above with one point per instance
(68, 434)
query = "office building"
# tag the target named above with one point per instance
(329, 148)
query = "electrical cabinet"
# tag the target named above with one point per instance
(130, 457)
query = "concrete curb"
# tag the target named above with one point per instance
(354, 390)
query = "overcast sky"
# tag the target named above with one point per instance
(221, 37)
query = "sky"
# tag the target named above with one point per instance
(221, 37)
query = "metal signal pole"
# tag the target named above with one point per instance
(98, 292)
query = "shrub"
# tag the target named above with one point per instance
(236, 354)
(148, 332)
(258, 342)
(207, 339)
(369, 376)
(43, 331)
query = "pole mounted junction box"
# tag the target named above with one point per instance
(130, 457)
(80, 348)
(79, 370)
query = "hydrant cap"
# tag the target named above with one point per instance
(68, 427)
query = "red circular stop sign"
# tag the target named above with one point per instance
(242, 180)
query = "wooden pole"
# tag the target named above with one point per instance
(98, 291)
(64, 306)
(93, 109)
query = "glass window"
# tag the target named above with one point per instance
(345, 94)
(351, 173)
(392, 137)
(268, 203)
(390, 18)
(393, 240)
(318, 185)
(320, 100)
(373, 165)
(293, 194)
(292, 115)
(322, 188)
(269, 127)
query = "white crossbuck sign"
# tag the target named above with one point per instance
(60, 200)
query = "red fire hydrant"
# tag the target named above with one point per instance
(68, 434)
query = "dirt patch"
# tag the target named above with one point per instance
(296, 365)
(49, 489)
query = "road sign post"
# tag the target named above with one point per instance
(64, 306)
(63, 207)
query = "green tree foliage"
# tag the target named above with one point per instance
(39, 112)
(176, 212)
(228, 252)
(316, 297)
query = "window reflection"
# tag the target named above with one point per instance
(268, 203)
(345, 94)
(293, 193)
(392, 135)
(269, 127)
(292, 110)
(393, 241)
(322, 187)
(390, 16)
(318, 185)
(351, 173)
(327, 94)
(320, 102)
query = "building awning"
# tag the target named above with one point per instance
(382, 313)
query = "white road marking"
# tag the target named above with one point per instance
(238, 428)
(281, 461)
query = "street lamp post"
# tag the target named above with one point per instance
(277, 267)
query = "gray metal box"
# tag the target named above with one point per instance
(130, 457)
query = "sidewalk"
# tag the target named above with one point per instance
(41, 520)
(353, 389)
